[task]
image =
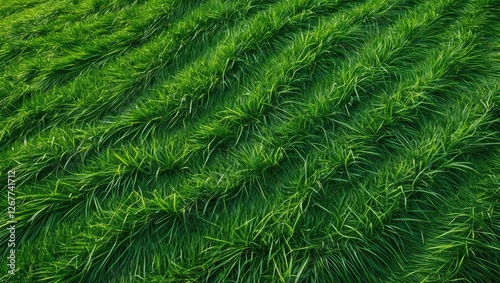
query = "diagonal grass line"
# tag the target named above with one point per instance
(203, 81)
(228, 122)
(446, 186)
(125, 236)
(465, 232)
(283, 77)
(8, 10)
(372, 207)
(317, 179)
(11, 7)
(450, 54)
(231, 51)
(465, 142)
(418, 206)
(50, 17)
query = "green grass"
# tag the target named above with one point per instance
(251, 141)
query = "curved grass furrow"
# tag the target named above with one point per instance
(375, 208)
(363, 216)
(433, 165)
(19, 9)
(353, 75)
(147, 222)
(129, 77)
(459, 235)
(21, 24)
(257, 165)
(106, 39)
(132, 128)
(127, 167)
(51, 245)
(461, 134)
(458, 140)
(423, 203)
(368, 154)
(284, 78)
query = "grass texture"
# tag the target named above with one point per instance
(251, 141)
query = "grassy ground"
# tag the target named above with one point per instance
(251, 141)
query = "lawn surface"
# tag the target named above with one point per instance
(250, 141)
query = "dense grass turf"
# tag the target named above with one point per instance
(251, 141)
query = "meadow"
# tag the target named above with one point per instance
(250, 141)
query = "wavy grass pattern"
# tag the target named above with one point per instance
(252, 141)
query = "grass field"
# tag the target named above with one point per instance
(250, 141)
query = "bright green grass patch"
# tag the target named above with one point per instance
(251, 141)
